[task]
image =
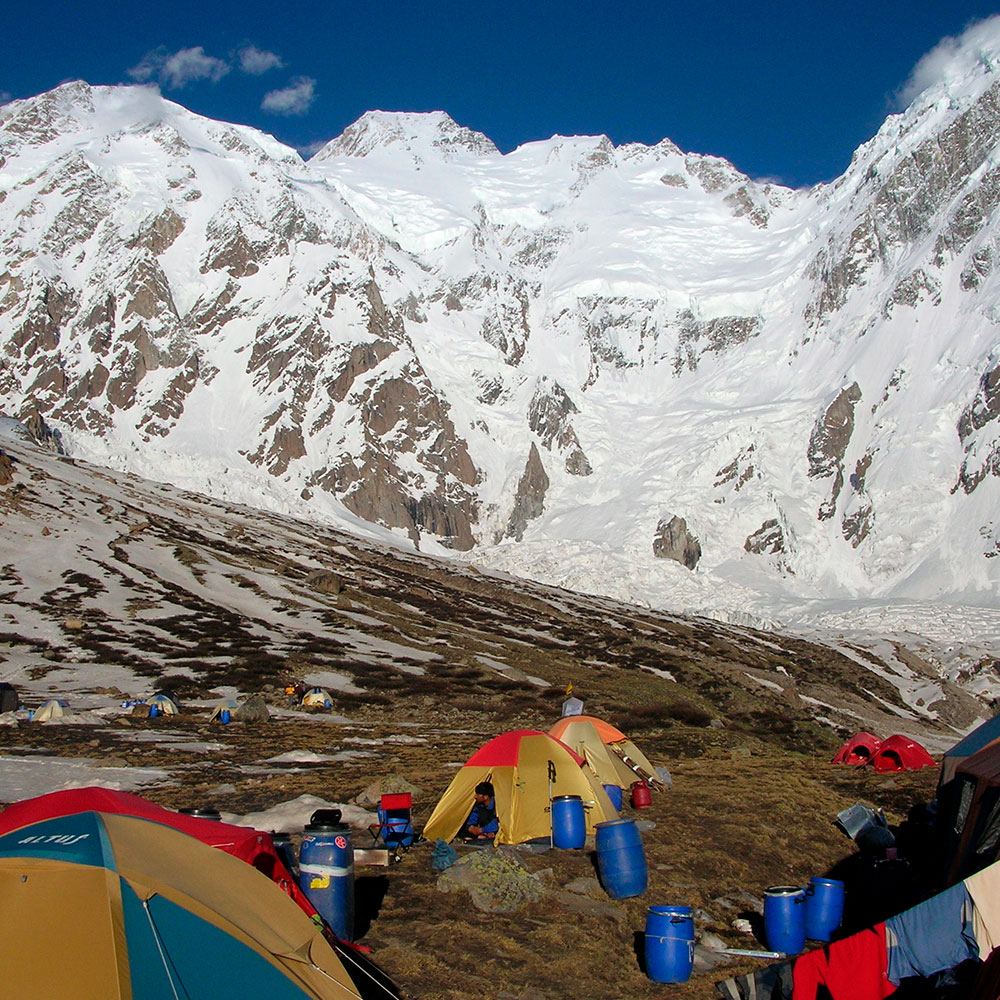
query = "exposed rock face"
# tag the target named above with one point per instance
(768, 539)
(982, 449)
(673, 541)
(529, 501)
(549, 417)
(6, 469)
(325, 582)
(828, 444)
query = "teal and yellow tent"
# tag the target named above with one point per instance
(111, 906)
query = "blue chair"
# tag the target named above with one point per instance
(395, 825)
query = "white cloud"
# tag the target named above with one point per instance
(257, 61)
(178, 69)
(295, 99)
(952, 58)
(311, 148)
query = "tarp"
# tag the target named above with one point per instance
(900, 753)
(981, 737)
(859, 749)
(111, 906)
(518, 765)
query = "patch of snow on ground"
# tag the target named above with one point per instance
(293, 815)
(29, 777)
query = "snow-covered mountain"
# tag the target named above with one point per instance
(628, 370)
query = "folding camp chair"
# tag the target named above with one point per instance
(394, 828)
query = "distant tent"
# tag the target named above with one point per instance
(520, 765)
(9, 701)
(53, 709)
(164, 704)
(225, 705)
(859, 749)
(900, 753)
(140, 909)
(634, 763)
(981, 737)
(317, 698)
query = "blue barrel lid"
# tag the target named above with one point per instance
(783, 890)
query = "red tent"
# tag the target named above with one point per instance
(252, 846)
(859, 749)
(900, 753)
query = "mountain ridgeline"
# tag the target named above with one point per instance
(584, 353)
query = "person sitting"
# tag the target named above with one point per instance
(482, 824)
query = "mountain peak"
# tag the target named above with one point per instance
(418, 133)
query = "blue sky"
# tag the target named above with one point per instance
(785, 90)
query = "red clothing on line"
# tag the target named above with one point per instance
(854, 968)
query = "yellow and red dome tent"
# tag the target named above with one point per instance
(628, 761)
(526, 768)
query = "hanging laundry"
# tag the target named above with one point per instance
(854, 968)
(931, 936)
(984, 888)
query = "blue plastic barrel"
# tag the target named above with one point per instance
(824, 907)
(615, 794)
(224, 716)
(326, 874)
(669, 947)
(621, 861)
(785, 918)
(154, 711)
(569, 825)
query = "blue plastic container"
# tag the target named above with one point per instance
(569, 825)
(785, 918)
(225, 717)
(154, 711)
(824, 908)
(621, 861)
(326, 874)
(669, 945)
(615, 794)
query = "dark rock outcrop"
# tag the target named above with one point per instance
(529, 501)
(673, 541)
(768, 539)
(828, 444)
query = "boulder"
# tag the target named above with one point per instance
(496, 879)
(389, 785)
(252, 711)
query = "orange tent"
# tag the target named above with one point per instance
(629, 762)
